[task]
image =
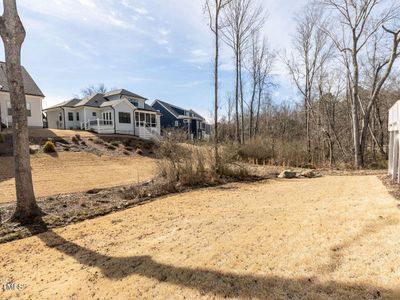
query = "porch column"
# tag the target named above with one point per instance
(390, 154)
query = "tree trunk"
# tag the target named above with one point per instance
(217, 165)
(13, 35)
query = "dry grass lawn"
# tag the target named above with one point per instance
(325, 238)
(69, 172)
(46, 133)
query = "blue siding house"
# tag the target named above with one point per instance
(173, 116)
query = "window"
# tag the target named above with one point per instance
(176, 123)
(124, 118)
(60, 116)
(70, 116)
(107, 118)
(28, 109)
(9, 110)
(153, 121)
(94, 114)
(134, 102)
(77, 116)
(137, 119)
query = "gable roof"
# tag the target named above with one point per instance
(93, 101)
(30, 85)
(68, 103)
(171, 108)
(123, 92)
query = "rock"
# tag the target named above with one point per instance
(309, 174)
(289, 174)
(33, 149)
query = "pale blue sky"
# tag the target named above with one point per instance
(156, 48)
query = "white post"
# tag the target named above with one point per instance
(395, 157)
(98, 125)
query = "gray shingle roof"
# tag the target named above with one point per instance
(30, 85)
(93, 101)
(124, 93)
(170, 107)
(68, 103)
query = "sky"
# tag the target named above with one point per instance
(159, 49)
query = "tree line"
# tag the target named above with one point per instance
(343, 62)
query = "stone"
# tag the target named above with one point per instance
(288, 174)
(33, 149)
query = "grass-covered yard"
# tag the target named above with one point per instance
(331, 237)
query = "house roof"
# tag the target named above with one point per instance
(123, 92)
(30, 85)
(93, 101)
(172, 107)
(68, 103)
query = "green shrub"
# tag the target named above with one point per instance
(49, 147)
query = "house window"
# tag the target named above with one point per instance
(124, 118)
(137, 119)
(153, 121)
(28, 109)
(77, 116)
(9, 110)
(70, 116)
(60, 116)
(94, 114)
(107, 118)
(134, 102)
(176, 123)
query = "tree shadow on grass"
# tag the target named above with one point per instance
(213, 282)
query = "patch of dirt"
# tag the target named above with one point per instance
(69, 172)
(331, 237)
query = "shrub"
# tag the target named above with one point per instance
(128, 148)
(115, 143)
(49, 147)
(110, 147)
(83, 143)
(78, 136)
(2, 138)
(139, 151)
(75, 140)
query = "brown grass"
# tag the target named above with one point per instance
(68, 172)
(51, 133)
(325, 238)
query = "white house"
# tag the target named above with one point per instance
(394, 141)
(34, 98)
(116, 112)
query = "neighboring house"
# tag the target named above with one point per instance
(119, 112)
(188, 120)
(34, 98)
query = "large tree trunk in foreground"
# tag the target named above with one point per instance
(13, 35)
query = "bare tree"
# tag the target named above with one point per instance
(13, 34)
(311, 51)
(94, 89)
(242, 17)
(359, 21)
(214, 9)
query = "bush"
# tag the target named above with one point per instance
(110, 147)
(115, 143)
(2, 138)
(190, 165)
(128, 148)
(139, 151)
(49, 147)
(78, 137)
(75, 140)
(83, 143)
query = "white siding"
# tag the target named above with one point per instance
(35, 120)
(121, 127)
(53, 121)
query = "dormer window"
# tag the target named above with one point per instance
(134, 102)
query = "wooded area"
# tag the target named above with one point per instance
(345, 70)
